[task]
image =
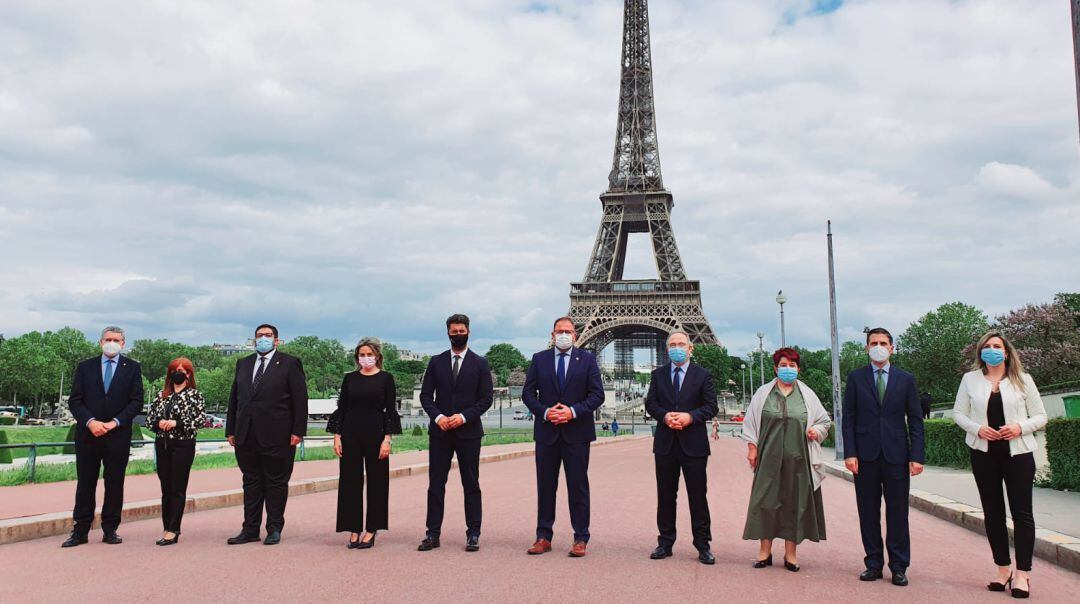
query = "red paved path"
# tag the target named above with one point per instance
(950, 564)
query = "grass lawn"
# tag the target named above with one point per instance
(59, 472)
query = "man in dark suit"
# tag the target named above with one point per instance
(682, 399)
(106, 395)
(456, 391)
(883, 452)
(267, 418)
(562, 390)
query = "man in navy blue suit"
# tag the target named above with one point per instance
(456, 391)
(562, 390)
(682, 399)
(883, 451)
(106, 395)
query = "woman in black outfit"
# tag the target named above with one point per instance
(999, 407)
(367, 407)
(175, 416)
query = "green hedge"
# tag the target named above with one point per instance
(8, 421)
(136, 434)
(1063, 451)
(5, 454)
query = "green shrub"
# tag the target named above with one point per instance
(5, 454)
(417, 430)
(1063, 451)
(945, 444)
(8, 421)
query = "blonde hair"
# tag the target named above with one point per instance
(375, 345)
(1014, 369)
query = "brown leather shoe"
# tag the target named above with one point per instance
(578, 551)
(541, 546)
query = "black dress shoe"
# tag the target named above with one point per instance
(704, 556)
(472, 544)
(175, 539)
(1022, 593)
(368, 544)
(870, 574)
(995, 586)
(763, 563)
(428, 544)
(111, 538)
(354, 544)
(74, 539)
(899, 578)
(242, 538)
(660, 553)
(792, 567)
(272, 538)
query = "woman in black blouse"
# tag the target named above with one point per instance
(368, 413)
(175, 416)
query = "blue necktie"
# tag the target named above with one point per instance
(108, 374)
(677, 382)
(561, 372)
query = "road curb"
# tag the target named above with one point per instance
(1054, 547)
(14, 530)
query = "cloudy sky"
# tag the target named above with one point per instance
(189, 169)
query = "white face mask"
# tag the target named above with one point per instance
(879, 354)
(563, 341)
(366, 362)
(111, 349)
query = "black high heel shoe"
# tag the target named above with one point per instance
(995, 586)
(792, 567)
(173, 541)
(763, 563)
(354, 544)
(1022, 593)
(369, 543)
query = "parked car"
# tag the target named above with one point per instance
(519, 415)
(213, 421)
(738, 418)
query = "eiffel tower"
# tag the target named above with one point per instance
(606, 308)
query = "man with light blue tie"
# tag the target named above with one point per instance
(106, 395)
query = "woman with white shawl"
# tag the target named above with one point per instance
(783, 429)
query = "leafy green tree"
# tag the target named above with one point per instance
(155, 355)
(216, 384)
(819, 382)
(1047, 339)
(715, 360)
(504, 358)
(325, 363)
(30, 370)
(932, 348)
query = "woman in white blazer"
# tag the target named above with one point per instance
(1000, 408)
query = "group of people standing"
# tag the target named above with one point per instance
(998, 406)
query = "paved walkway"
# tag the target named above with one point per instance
(949, 563)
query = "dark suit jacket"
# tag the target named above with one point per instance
(470, 395)
(274, 412)
(584, 393)
(697, 396)
(872, 429)
(89, 401)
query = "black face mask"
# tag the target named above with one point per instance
(179, 377)
(459, 341)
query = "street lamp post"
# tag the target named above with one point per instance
(761, 356)
(742, 375)
(781, 299)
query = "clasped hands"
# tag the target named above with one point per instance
(677, 420)
(101, 428)
(167, 424)
(450, 423)
(559, 414)
(1007, 432)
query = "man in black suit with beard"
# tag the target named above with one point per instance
(267, 418)
(682, 398)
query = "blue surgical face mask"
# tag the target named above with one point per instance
(993, 356)
(677, 355)
(787, 374)
(264, 345)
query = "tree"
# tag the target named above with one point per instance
(819, 382)
(852, 356)
(154, 356)
(504, 358)
(932, 348)
(1047, 339)
(216, 384)
(30, 370)
(325, 363)
(715, 360)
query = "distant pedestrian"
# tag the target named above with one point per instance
(999, 407)
(604, 427)
(926, 402)
(716, 428)
(106, 395)
(175, 415)
(614, 427)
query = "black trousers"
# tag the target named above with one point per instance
(174, 459)
(266, 473)
(440, 453)
(1017, 472)
(360, 456)
(877, 479)
(91, 454)
(575, 458)
(668, 468)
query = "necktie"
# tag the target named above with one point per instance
(677, 382)
(259, 374)
(561, 372)
(108, 374)
(457, 365)
(881, 386)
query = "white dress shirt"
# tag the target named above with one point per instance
(268, 356)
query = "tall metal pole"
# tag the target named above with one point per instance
(838, 403)
(761, 356)
(781, 299)
(1076, 48)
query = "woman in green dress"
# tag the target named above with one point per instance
(784, 426)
